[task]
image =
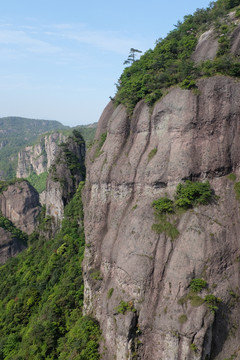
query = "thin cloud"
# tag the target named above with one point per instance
(51, 39)
(22, 39)
(102, 40)
(105, 40)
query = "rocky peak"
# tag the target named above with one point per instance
(65, 174)
(20, 204)
(39, 157)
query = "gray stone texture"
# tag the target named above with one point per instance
(196, 137)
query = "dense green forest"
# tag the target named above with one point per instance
(170, 62)
(41, 296)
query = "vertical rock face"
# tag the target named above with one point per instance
(186, 136)
(9, 246)
(39, 157)
(20, 204)
(66, 172)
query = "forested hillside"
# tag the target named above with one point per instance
(41, 296)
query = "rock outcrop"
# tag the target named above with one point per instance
(65, 174)
(207, 47)
(20, 204)
(39, 157)
(9, 246)
(208, 42)
(189, 136)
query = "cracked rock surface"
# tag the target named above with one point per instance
(196, 137)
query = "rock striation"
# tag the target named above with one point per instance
(20, 204)
(39, 157)
(185, 136)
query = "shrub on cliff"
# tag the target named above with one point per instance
(197, 285)
(163, 205)
(187, 195)
(193, 193)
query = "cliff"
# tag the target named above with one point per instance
(65, 174)
(187, 136)
(20, 204)
(39, 157)
(164, 284)
(9, 246)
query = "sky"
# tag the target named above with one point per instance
(60, 59)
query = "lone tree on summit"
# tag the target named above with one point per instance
(131, 56)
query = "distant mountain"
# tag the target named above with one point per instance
(17, 132)
(88, 132)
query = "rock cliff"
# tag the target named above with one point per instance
(65, 174)
(9, 246)
(187, 135)
(39, 157)
(20, 204)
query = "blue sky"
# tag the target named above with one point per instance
(60, 59)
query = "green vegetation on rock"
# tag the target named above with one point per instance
(193, 193)
(166, 227)
(109, 293)
(232, 177)
(237, 190)
(69, 162)
(152, 154)
(187, 195)
(197, 284)
(125, 306)
(212, 302)
(163, 205)
(9, 226)
(95, 274)
(182, 318)
(195, 300)
(193, 347)
(5, 184)
(170, 62)
(99, 145)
